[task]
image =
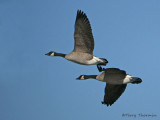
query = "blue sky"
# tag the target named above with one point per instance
(37, 87)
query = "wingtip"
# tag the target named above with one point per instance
(80, 13)
(78, 10)
(107, 104)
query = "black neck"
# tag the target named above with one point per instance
(90, 76)
(59, 54)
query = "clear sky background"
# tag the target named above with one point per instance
(37, 87)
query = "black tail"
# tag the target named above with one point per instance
(105, 60)
(136, 80)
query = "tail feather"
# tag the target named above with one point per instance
(104, 60)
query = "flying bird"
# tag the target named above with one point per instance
(116, 83)
(83, 44)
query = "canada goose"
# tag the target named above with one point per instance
(116, 82)
(83, 45)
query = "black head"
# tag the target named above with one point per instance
(50, 53)
(81, 77)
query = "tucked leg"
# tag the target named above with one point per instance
(100, 68)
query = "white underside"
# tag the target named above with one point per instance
(95, 60)
(127, 79)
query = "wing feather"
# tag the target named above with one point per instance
(112, 93)
(83, 37)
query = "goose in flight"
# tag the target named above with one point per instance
(116, 83)
(83, 44)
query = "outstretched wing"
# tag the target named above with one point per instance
(83, 37)
(112, 93)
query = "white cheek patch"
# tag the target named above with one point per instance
(127, 79)
(82, 77)
(52, 54)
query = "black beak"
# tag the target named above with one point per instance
(47, 54)
(78, 78)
